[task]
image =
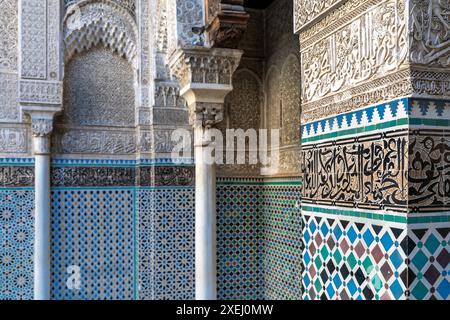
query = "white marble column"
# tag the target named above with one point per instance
(205, 220)
(205, 77)
(42, 129)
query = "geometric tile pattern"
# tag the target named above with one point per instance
(259, 240)
(282, 242)
(350, 258)
(166, 243)
(16, 244)
(239, 242)
(94, 230)
(429, 262)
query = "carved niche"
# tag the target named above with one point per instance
(99, 90)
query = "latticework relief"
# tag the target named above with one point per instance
(8, 35)
(290, 99)
(8, 60)
(99, 90)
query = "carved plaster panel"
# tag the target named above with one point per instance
(34, 39)
(243, 104)
(365, 49)
(8, 97)
(430, 32)
(84, 141)
(8, 35)
(13, 140)
(306, 11)
(189, 14)
(130, 5)
(100, 21)
(99, 90)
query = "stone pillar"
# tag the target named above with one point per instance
(205, 76)
(42, 127)
(41, 143)
(375, 166)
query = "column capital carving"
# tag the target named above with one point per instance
(205, 76)
(41, 126)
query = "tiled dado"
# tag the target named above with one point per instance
(107, 216)
(166, 212)
(258, 239)
(16, 229)
(350, 254)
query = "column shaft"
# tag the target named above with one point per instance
(42, 227)
(205, 223)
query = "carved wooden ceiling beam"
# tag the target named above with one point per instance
(226, 22)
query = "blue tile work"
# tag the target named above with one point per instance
(16, 244)
(429, 255)
(353, 258)
(282, 241)
(166, 243)
(240, 241)
(93, 229)
(259, 239)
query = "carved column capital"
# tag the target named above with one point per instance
(205, 76)
(41, 126)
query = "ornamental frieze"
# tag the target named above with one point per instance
(93, 176)
(16, 176)
(369, 47)
(166, 176)
(306, 11)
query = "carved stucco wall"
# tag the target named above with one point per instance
(99, 105)
(282, 84)
(354, 56)
(13, 136)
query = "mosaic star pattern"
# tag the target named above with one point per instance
(166, 243)
(16, 244)
(282, 242)
(259, 241)
(240, 242)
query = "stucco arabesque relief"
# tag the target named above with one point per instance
(363, 52)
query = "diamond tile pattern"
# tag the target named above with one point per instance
(429, 276)
(345, 259)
